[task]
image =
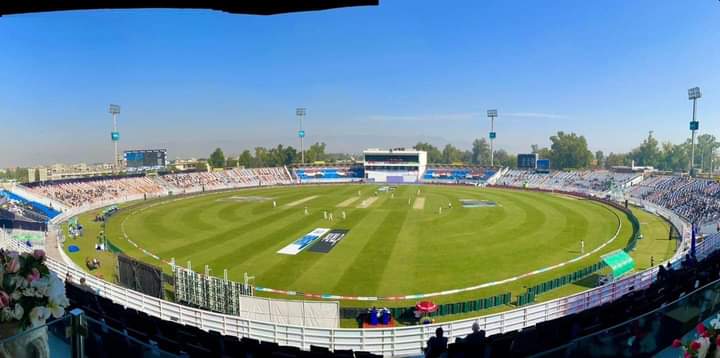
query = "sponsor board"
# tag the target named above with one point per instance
(329, 241)
(303, 242)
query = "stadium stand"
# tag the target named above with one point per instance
(455, 175)
(79, 192)
(31, 208)
(586, 181)
(226, 179)
(169, 336)
(696, 200)
(336, 174)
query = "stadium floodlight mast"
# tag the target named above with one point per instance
(492, 113)
(693, 95)
(114, 109)
(300, 113)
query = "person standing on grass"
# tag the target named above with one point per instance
(582, 246)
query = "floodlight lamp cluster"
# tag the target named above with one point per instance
(300, 112)
(114, 109)
(492, 113)
(694, 93)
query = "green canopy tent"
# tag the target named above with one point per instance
(619, 262)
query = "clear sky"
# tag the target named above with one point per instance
(381, 76)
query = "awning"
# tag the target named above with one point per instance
(620, 262)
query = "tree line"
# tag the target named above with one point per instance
(570, 151)
(275, 156)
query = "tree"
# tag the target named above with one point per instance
(433, 153)
(217, 159)
(617, 159)
(202, 165)
(450, 154)
(706, 145)
(569, 151)
(246, 159)
(599, 157)
(676, 157)
(480, 152)
(503, 159)
(648, 153)
(231, 162)
(315, 153)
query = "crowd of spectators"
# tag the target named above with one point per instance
(227, 179)
(696, 200)
(76, 193)
(597, 181)
(82, 192)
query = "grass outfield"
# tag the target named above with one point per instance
(392, 248)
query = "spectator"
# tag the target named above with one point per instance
(437, 346)
(477, 337)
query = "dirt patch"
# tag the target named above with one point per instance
(367, 202)
(303, 200)
(347, 202)
(419, 204)
(246, 199)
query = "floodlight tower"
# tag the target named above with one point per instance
(492, 113)
(114, 109)
(300, 113)
(693, 95)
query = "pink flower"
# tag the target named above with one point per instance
(34, 275)
(700, 328)
(677, 343)
(695, 345)
(687, 355)
(717, 341)
(39, 254)
(13, 265)
(4, 299)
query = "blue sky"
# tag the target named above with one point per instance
(191, 80)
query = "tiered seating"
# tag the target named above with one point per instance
(226, 179)
(457, 175)
(81, 192)
(696, 200)
(329, 174)
(32, 209)
(77, 193)
(578, 181)
(115, 331)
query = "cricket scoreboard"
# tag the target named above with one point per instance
(146, 159)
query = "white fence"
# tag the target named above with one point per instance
(387, 341)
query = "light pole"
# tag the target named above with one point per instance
(300, 113)
(693, 94)
(114, 109)
(492, 113)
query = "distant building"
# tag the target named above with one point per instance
(191, 164)
(60, 171)
(400, 165)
